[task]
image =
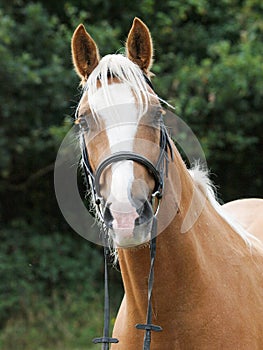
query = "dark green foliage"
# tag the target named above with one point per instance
(45, 266)
(208, 63)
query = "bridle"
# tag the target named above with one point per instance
(158, 171)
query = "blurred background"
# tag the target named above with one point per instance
(208, 64)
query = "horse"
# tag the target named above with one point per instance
(208, 287)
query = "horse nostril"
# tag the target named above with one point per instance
(145, 213)
(108, 218)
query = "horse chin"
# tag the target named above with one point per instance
(131, 237)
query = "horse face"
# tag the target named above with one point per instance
(122, 113)
(125, 186)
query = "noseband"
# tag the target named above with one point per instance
(158, 171)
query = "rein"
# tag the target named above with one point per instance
(148, 327)
(158, 172)
(105, 340)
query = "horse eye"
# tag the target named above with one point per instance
(158, 116)
(82, 122)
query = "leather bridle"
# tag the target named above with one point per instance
(158, 171)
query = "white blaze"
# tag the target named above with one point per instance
(120, 116)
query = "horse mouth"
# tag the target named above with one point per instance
(129, 238)
(130, 228)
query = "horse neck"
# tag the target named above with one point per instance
(182, 259)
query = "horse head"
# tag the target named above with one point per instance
(124, 140)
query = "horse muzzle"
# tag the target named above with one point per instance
(128, 225)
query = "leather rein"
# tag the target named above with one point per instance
(158, 171)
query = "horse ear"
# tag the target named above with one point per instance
(85, 53)
(139, 48)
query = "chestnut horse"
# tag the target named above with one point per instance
(208, 288)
